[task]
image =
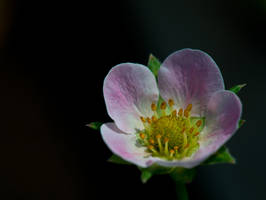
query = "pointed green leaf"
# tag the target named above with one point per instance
(237, 88)
(145, 176)
(241, 122)
(95, 125)
(154, 64)
(118, 160)
(221, 156)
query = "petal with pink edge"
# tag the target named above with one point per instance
(129, 90)
(189, 76)
(125, 145)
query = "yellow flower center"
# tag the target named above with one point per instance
(170, 134)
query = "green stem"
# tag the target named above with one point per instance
(181, 191)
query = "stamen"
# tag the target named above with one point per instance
(151, 148)
(158, 137)
(171, 153)
(142, 119)
(199, 122)
(163, 106)
(166, 140)
(153, 118)
(148, 120)
(142, 136)
(191, 130)
(176, 148)
(186, 113)
(151, 141)
(153, 107)
(196, 134)
(170, 102)
(189, 107)
(174, 113)
(180, 112)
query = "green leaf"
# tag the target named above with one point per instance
(237, 88)
(241, 122)
(154, 64)
(221, 156)
(118, 160)
(95, 125)
(183, 175)
(145, 176)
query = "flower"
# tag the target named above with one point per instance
(189, 120)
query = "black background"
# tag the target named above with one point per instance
(54, 57)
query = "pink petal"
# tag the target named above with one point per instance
(189, 76)
(129, 90)
(124, 145)
(222, 117)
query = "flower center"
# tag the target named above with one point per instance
(170, 134)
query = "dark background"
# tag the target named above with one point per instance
(54, 57)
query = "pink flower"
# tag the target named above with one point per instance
(195, 119)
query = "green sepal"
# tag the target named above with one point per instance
(154, 64)
(95, 125)
(221, 156)
(177, 173)
(145, 176)
(237, 88)
(183, 175)
(118, 160)
(241, 123)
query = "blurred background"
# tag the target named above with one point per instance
(54, 57)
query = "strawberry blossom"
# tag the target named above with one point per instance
(179, 121)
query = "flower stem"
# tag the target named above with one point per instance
(181, 191)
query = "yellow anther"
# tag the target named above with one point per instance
(183, 130)
(171, 152)
(150, 147)
(180, 112)
(158, 136)
(163, 106)
(176, 148)
(153, 107)
(191, 130)
(186, 113)
(199, 122)
(187, 145)
(151, 141)
(174, 113)
(153, 118)
(189, 107)
(148, 120)
(196, 134)
(142, 119)
(171, 102)
(166, 140)
(142, 136)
